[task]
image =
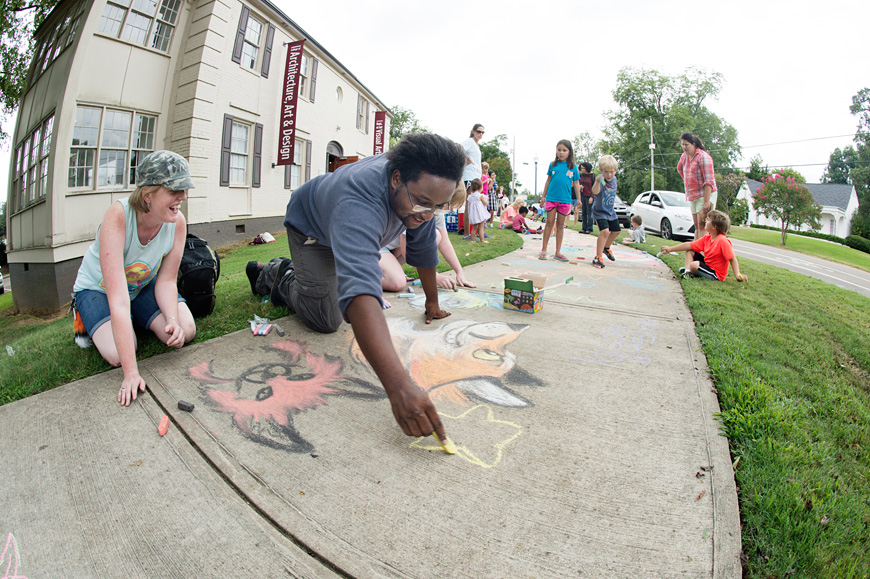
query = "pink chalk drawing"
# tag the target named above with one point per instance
(265, 397)
(10, 558)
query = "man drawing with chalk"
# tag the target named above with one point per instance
(336, 224)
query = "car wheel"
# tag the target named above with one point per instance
(666, 229)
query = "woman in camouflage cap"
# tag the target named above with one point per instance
(129, 273)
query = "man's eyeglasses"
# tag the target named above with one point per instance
(417, 207)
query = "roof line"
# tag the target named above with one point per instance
(278, 12)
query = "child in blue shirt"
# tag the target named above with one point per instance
(562, 178)
(603, 212)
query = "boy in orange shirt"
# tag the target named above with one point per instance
(710, 256)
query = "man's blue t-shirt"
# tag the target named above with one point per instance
(561, 180)
(349, 210)
(602, 207)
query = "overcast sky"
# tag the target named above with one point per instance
(790, 67)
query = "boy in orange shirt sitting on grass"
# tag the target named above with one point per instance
(710, 256)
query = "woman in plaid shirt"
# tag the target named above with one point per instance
(696, 169)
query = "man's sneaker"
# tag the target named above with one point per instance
(597, 263)
(609, 254)
(252, 270)
(686, 275)
(682, 270)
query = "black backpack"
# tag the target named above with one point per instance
(197, 275)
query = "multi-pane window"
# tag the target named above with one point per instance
(296, 167)
(147, 22)
(251, 46)
(143, 141)
(303, 74)
(239, 154)
(362, 114)
(30, 168)
(107, 146)
(50, 44)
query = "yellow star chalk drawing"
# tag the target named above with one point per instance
(482, 419)
(447, 444)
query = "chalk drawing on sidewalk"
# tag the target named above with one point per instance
(265, 397)
(479, 436)
(643, 284)
(461, 300)
(9, 558)
(454, 362)
(457, 361)
(619, 346)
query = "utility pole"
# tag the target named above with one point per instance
(513, 191)
(652, 168)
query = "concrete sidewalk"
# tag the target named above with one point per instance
(587, 447)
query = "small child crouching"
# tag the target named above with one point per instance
(710, 256)
(637, 233)
(519, 224)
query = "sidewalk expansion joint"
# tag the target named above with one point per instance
(286, 533)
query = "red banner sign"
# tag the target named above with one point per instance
(289, 98)
(380, 125)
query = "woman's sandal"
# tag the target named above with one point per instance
(542, 256)
(560, 257)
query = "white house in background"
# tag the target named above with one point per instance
(839, 203)
(112, 80)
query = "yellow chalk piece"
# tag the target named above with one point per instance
(447, 445)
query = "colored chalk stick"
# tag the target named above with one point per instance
(164, 426)
(446, 444)
(186, 406)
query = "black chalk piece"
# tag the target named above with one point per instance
(186, 406)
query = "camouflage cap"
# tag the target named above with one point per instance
(164, 168)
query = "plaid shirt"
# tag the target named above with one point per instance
(696, 173)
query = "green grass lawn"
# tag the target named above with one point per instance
(794, 389)
(808, 245)
(793, 384)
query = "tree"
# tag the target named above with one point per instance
(673, 105)
(18, 20)
(728, 186)
(757, 170)
(404, 121)
(586, 148)
(840, 166)
(492, 149)
(3, 220)
(860, 174)
(789, 172)
(503, 172)
(785, 199)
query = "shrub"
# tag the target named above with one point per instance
(739, 212)
(783, 198)
(816, 234)
(859, 243)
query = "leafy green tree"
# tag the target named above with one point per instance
(18, 20)
(586, 148)
(840, 166)
(860, 174)
(3, 220)
(728, 186)
(789, 201)
(789, 172)
(503, 172)
(674, 105)
(757, 169)
(404, 121)
(492, 149)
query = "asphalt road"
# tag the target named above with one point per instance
(836, 274)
